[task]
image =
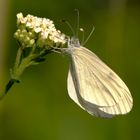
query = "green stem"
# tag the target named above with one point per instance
(26, 62)
(19, 67)
(18, 57)
(7, 87)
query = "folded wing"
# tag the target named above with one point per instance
(95, 87)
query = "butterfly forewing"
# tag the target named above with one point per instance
(95, 87)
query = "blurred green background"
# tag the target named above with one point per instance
(39, 108)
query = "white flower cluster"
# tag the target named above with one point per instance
(38, 31)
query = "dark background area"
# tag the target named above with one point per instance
(39, 107)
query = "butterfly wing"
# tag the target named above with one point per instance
(95, 87)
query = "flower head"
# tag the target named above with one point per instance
(38, 31)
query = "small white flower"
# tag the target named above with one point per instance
(44, 35)
(28, 24)
(23, 20)
(19, 16)
(37, 30)
(40, 29)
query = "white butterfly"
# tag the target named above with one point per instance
(93, 85)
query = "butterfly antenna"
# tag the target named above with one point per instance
(93, 28)
(77, 28)
(69, 25)
(83, 36)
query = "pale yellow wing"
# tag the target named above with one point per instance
(95, 87)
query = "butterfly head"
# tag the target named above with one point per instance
(73, 42)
